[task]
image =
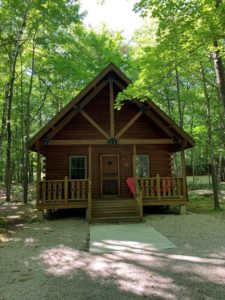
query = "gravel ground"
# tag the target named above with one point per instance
(49, 260)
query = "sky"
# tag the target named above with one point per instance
(116, 14)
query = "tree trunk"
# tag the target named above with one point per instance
(218, 65)
(212, 161)
(31, 170)
(27, 131)
(178, 97)
(3, 128)
(9, 98)
(219, 70)
(22, 115)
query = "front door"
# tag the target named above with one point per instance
(110, 175)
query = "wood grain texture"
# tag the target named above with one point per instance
(57, 162)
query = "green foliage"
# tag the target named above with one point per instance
(203, 204)
(168, 52)
(65, 55)
(164, 61)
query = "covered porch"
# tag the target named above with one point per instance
(77, 193)
(152, 191)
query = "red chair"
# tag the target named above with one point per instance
(168, 184)
(130, 183)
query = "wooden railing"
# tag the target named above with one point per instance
(161, 187)
(63, 191)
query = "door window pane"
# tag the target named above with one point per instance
(142, 166)
(78, 167)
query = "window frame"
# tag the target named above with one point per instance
(85, 167)
(139, 155)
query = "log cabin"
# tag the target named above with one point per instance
(110, 162)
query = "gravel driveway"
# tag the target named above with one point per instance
(49, 260)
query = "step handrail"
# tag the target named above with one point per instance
(139, 198)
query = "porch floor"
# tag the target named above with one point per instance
(164, 201)
(111, 201)
(64, 205)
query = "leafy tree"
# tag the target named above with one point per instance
(194, 25)
(47, 57)
(170, 63)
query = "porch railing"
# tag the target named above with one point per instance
(63, 191)
(161, 187)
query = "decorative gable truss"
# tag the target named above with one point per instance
(111, 77)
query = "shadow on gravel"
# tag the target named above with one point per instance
(47, 260)
(136, 274)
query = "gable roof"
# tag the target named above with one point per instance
(110, 68)
(96, 82)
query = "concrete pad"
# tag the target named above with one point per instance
(135, 238)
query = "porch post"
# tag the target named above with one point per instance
(134, 168)
(38, 174)
(158, 186)
(89, 181)
(184, 174)
(66, 189)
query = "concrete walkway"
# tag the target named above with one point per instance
(126, 237)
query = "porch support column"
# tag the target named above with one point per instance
(38, 173)
(183, 165)
(89, 182)
(134, 167)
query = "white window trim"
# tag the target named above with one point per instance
(138, 155)
(85, 162)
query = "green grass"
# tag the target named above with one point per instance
(204, 179)
(203, 204)
(202, 183)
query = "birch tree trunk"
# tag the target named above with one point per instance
(3, 128)
(219, 70)
(218, 65)
(27, 129)
(212, 160)
(178, 97)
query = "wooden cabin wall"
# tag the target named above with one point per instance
(98, 110)
(80, 128)
(143, 128)
(57, 162)
(160, 159)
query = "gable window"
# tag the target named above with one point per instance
(78, 167)
(142, 166)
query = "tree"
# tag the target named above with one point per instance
(21, 20)
(199, 23)
(47, 57)
(171, 75)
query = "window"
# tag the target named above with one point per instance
(77, 167)
(142, 166)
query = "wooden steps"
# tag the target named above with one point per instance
(114, 210)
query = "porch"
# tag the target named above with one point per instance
(152, 191)
(161, 190)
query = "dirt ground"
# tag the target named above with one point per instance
(50, 259)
